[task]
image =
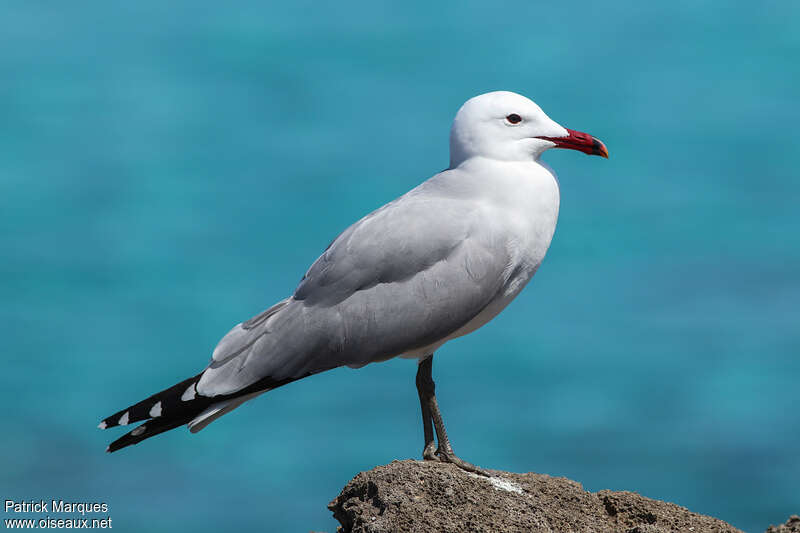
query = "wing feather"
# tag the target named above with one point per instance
(401, 278)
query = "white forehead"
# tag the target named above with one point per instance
(497, 104)
(481, 128)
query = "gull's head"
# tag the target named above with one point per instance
(509, 127)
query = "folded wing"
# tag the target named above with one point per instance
(401, 278)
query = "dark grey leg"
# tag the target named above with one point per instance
(425, 388)
(430, 413)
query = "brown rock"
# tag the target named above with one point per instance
(791, 526)
(418, 496)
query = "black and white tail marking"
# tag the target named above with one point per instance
(179, 405)
(165, 410)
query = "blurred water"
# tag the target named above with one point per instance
(169, 169)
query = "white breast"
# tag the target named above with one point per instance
(523, 200)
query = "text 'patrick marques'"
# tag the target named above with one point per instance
(54, 506)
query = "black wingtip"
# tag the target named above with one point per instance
(149, 429)
(168, 399)
(127, 439)
(175, 411)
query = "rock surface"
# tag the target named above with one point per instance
(791, 526)
(407, 496)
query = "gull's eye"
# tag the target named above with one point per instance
(513, 118)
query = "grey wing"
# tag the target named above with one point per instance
(401, 278)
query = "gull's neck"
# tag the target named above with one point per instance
(488, 173)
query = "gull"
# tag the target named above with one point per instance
(432, 265)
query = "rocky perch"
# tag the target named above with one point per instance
(418, 496)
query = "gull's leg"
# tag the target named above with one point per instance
(430, 412)
(425, 389)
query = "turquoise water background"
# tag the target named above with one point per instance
(168, 169)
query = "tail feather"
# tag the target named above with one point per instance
(147, 430)
(164, 403)
(165, 410)
(218, 409)
(181, 404)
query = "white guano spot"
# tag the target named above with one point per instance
(189, 394)
(102, 425)
(155, 411)
(123, 420)
(501, 484)
(506, 485)
(138, 431)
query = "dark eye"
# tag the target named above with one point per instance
(513, 118)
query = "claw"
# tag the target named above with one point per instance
(429, 454)
(452, 458)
